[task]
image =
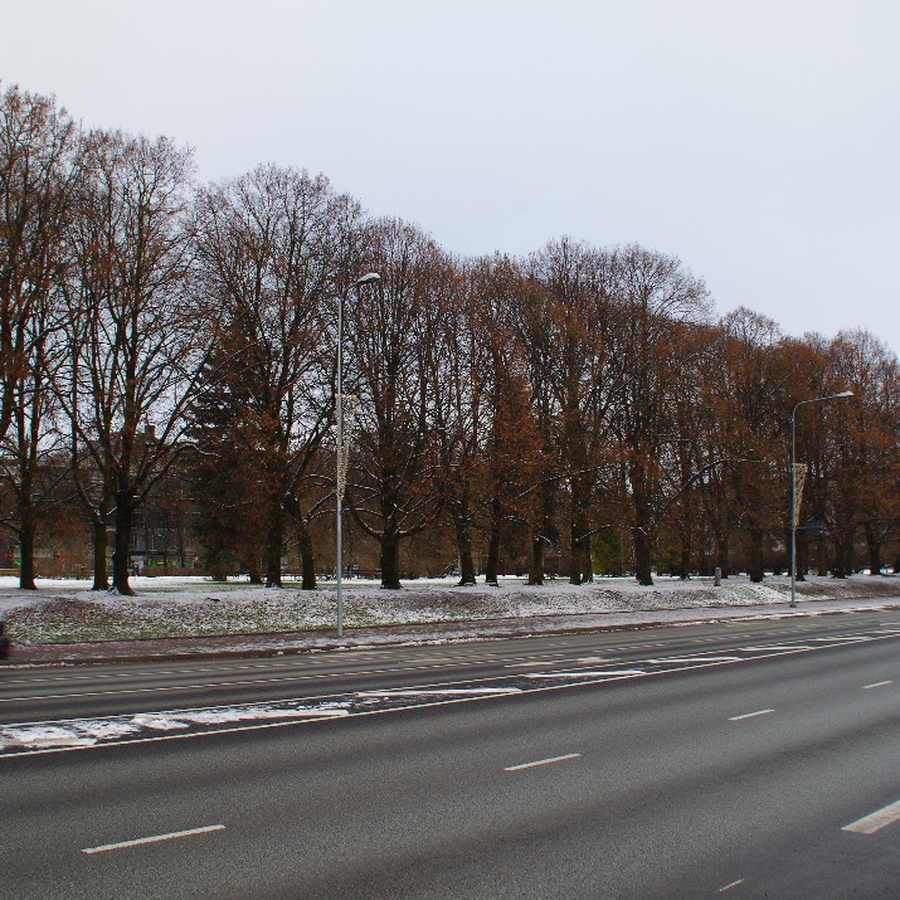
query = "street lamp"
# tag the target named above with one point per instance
(794, 509)
(370, 278)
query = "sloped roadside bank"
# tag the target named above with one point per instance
(179, 618)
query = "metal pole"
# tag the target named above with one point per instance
(799, 403)
(794, 505)
(339, 402)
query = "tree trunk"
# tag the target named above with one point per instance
(124, 520)
(274, 547)
(643, 562)
(873, 549)
(536, 560)
(684, 569)
(801, 565)
(101, 573)
(643, 520)
(464, 549)
(390, 561)
(307, 560)
(254, 571)
(756, 557)
(723, 556)
(582, 570)
(26, 547)
(493, 551)
(843, 555)
(821, 556)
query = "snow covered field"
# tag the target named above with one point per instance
(63, 611)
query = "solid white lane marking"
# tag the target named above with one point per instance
(751, 715)
(602, 673)
(734, 884)
(441, 692)
(78, 733)
(877, 684)
(875, 821)
(541, 762)
(154, 839)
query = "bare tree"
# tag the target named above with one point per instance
(390, 334)
(862, 437)
(581, 376)
(39, 149)
(269, 250)
(457, 372)
(513, 462)
(654, 294)
(690, 461)
(137, 336)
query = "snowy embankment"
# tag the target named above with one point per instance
(63, 611)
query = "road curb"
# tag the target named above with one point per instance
(281, 643)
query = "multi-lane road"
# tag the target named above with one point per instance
(741, 759)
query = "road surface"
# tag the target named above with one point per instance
(741, 759)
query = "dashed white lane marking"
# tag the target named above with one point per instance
(541, 762)
(750, 715)
(877, 684)
(154, 839)
(776, 648)
(694, 659)
(875, 821)
(558, 661)
(734, 884)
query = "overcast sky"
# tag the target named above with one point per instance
(757, 140)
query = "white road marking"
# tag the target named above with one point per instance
(734, 884)
(39, 738)
(694, 659)
(155, 839)
(877, 684)
(602, 673)
(441, 692)
(541, 762)
(752, 715)
(776, 648)
(875, 821)
(530, 663)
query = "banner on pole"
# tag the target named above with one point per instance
(348, 421)
(800, 470)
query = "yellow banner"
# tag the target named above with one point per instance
(800, 470)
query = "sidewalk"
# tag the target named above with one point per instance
(259, 645)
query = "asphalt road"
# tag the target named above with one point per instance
(701, 761)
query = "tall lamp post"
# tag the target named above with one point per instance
(340, 474)
(794, 498)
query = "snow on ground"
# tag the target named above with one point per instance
(67, 610)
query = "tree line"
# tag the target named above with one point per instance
(170, 343)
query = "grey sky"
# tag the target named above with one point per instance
(758, 140)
